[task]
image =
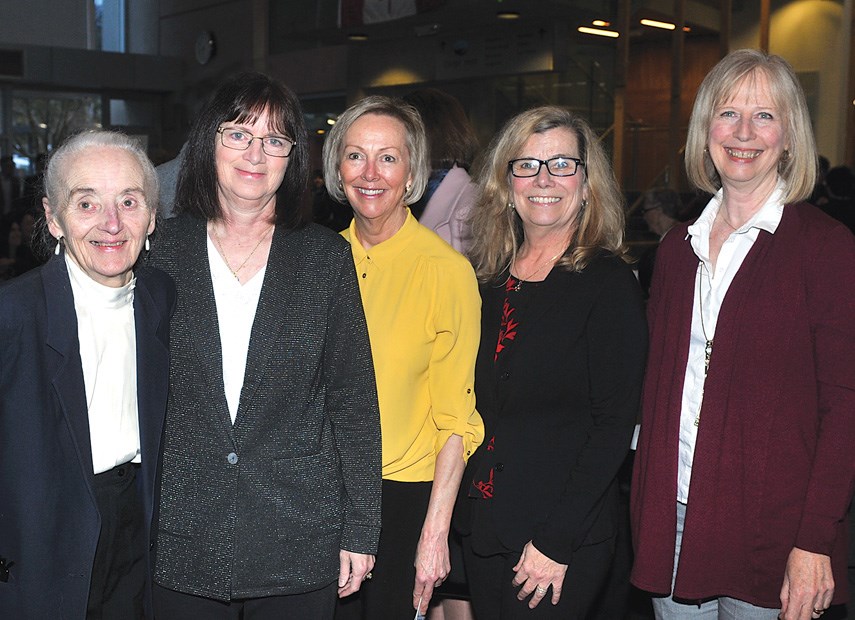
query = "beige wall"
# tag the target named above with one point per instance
(813, 36)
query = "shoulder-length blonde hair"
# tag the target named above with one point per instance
(497, 231)
(416, 142)
(798, 165)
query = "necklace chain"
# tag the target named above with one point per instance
(540, 267)
(235, 272)
(708, 344)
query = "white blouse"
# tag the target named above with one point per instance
(108, 354)
(710, 290)
(236, 305)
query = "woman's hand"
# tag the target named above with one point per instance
(354, 568)
(433, 563)
(808, 585)
(535, 573)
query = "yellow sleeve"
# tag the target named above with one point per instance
(451, 369)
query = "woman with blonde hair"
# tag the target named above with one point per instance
(745, 464)
(558, 373)
(421, 306)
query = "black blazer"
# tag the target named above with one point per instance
(561, 403)
(262, 507)
(49, 522)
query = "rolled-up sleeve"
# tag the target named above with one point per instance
(452, 362)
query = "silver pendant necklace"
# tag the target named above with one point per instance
(708, 341)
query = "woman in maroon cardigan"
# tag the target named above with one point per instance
(745, 462)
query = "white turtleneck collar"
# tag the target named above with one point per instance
(108, 355)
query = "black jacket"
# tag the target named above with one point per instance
(49, 521)
(262, 507)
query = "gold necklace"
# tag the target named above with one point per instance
(536, 271)
(235, 272)
(723, 219)
(708, 344)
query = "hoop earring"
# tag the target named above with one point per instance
(58, 247)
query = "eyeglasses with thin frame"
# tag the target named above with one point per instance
(240, 140)
(557, 166)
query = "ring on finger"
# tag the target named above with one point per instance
(540, 590)
(368, 575)
(818, 612)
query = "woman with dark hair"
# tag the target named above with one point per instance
(558, 374)
(450, 192)
(270, 497)
(745, 461)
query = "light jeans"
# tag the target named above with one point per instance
(723, 608)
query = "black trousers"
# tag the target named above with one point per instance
(389, 594)
(317, 605)
(119, 572)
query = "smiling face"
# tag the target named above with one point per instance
(747, 137)
(375, 170)
(546, 203)
(248, 178)
(106, 218)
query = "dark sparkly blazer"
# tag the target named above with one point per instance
(262, 507)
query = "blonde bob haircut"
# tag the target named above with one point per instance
(798, 164)
(416, 144)
(497, 230)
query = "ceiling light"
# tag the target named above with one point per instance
(601, 23)
(358, 36)
(330, 121)
(656, 24)
(508, 15)
(598, 32)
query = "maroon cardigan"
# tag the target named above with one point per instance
(775, 455)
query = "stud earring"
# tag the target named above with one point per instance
(147, 244)
(58, 247)
(511, 206)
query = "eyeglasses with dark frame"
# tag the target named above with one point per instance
(240, 140)
(557, 166)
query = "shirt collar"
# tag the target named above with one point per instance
(383, 253)
(767, 218)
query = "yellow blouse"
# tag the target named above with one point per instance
(423, 311)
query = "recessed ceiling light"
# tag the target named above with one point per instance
(597, 31)
(358, 36)
(508, 15)
(601, 23)
(657, 24)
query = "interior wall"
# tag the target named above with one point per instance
(648, 107)
(60, 23)
(814, 37)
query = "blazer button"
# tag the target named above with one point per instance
(500, 466)
(232, 458)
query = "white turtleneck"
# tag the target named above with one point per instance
(108, 353)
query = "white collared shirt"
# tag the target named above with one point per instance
(108, 355)
(236, 306)
(710, 290)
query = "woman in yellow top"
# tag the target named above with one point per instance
(423, 311)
